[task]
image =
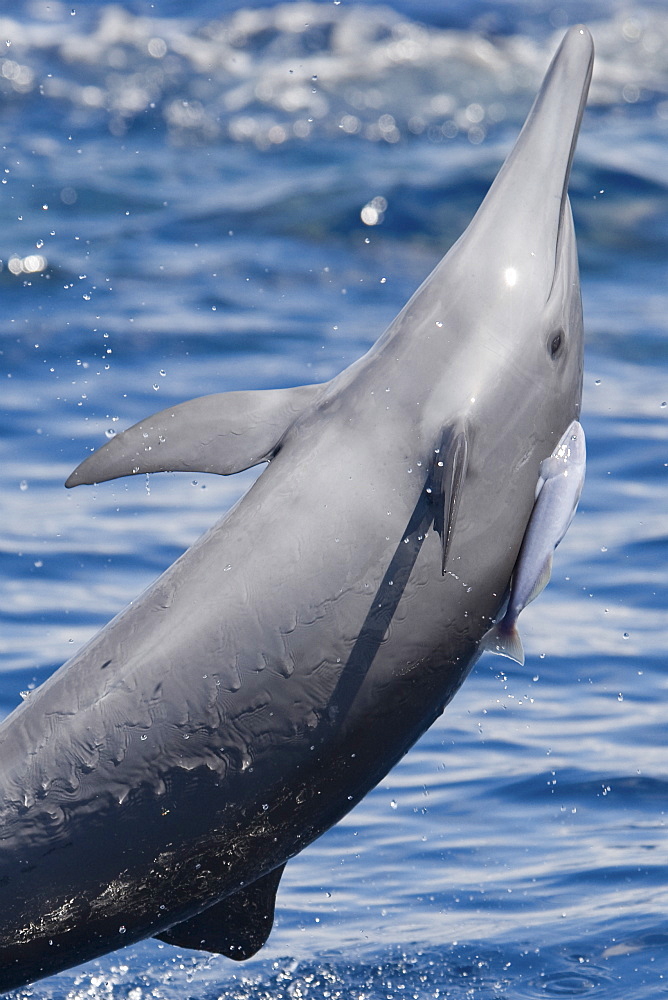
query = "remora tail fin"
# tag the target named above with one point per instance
(504, 641)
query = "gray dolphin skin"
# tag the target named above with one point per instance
(159, 781)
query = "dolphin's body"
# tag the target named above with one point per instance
(157, 783)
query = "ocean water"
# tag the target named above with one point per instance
(214, 196)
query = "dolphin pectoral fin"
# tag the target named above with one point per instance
(222, 433)
(447, 475)
(237, 927)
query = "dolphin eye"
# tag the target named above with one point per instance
(555, 343)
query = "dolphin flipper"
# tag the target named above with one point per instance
(237, 927)
(447, 476)
(223, 433)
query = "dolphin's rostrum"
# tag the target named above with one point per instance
(159, 781)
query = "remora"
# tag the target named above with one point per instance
(158, 782)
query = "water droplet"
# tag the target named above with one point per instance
(626, 635)
(23, 485)
(393, 804)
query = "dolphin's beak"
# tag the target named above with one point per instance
(523, 211)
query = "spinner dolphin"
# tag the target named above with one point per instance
(159, 781)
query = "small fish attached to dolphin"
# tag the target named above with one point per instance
(158, 782)
(557, 494)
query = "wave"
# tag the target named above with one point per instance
(292, 71)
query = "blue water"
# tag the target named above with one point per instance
(182, 189)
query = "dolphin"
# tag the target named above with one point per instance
(158, 782)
